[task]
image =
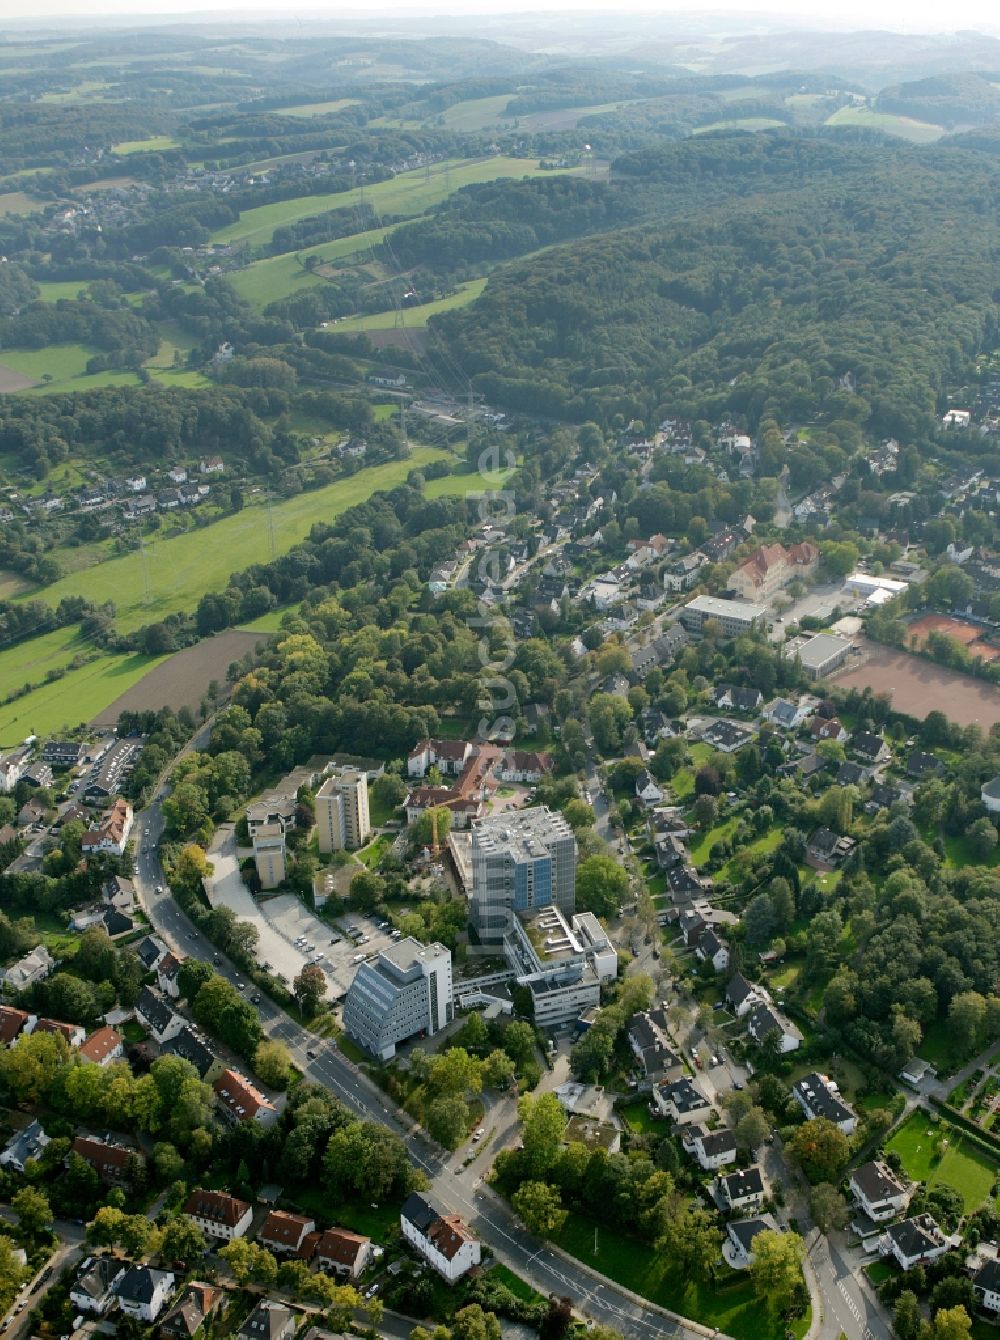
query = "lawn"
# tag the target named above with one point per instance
(415, 318)
(373, 853)
(958, 854)
(934, 1152)
(518, 1287)
(919, 132)
(32, 660)
(409, 193)
(464, 483)
(75, 698)
(53, 290)
(267, 623)
(378, 812)
(182, 569)
(938, 1047)
(704, 844)
(762, 847)
(638, 1117)
(728, 1305)
(379, 1222)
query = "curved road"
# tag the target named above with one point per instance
(454, 1187)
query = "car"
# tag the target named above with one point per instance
(192, 935)
(335, 939)
(255, 999)
(478, 1134)
(216, 958)
(719, 1005)
(738, 1085)
(159, 888)
(716, 1061)
(312, 1053)
(317, 958)
(240, 986)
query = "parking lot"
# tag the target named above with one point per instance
(306, 937)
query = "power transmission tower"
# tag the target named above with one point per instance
(270, 523)
(402, 424)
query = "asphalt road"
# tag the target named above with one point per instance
(453, 1187)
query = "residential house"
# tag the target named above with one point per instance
(343, 1253)
(119, 893)
(284, 1233)
(519, 765)
(193, 1310)
(826, 850)
(682, 573)
(242, 1101)
(870, 748)
(922, 765)
(218, 1214)
(13, 1023)
(155, 1013)
(151, 952)
(883, 797)
(135, 483)
(33, 967)
(712, 1149)
(112, 830)
(878, 1191)
(647, 1036)
(647, 790)
(62, 753)
(268, 1321)
(852, 774)
(117, 923)
(743, 1190)
(13, 767)
(828, 728)
(109, 1160)
(819, 1096)
(103, 1046)
(671, 853)
(73, 1033)
(142, 1292)
(166, 976)
(742, 996)
(986, 1286)
(448, 756)
(736, 698)
(211, 465)
(740, 1235)
(191, 1046)
(93, 1290)
(713, 950)
(682, 1102)
(39, 774)
(787, 715)
(23, 1145)
(177, 474)
(763, 1020)
(914, 1242)
(31, 815)
(727, 736)
(444, 1241)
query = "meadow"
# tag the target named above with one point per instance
(742, 123)
(63, 367)
(157, 142)
(409, 193)
(275, 277)
(918, 132)
(182, 569)
(318, 108)
(16, 202)
(80, 695)
(415, 318)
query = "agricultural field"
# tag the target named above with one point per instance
(935, 1152)
(63, 367)
(181, 679)
(181, 570)
(74, 699)
(918, 132)
(476, 113)
(409, 193)
(318, 108)
(16, 202)
(157, 142)
(266, 280)
(414, 318)
(742, 123)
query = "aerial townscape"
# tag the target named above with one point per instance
(499, 674)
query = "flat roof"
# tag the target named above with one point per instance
(821, 648)
(714, 606)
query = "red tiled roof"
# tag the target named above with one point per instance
(100, 1045)
(449, 1235)
(12, 1023)
(218, 1206)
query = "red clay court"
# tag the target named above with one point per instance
(916, 687)
(966, 633)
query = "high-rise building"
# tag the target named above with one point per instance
(342, 812)
(521, 860)
(406, 991)
(269, 855)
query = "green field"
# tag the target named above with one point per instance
(742, 123)
(66, 367)
(275, 277)
(16, 202)
(75, 698)
(919, 132)
(409, 193)
(934, 1152)
(728, 1305)
(182, 569)
(157, 142)
(54, 290)
(476, 113)
(318, 108)
(32, 660)
(414, 318)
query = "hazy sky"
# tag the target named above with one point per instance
(902, 15)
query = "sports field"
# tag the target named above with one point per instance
(917, 687)
(966, 633)
(181, 570)
(410, 193)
